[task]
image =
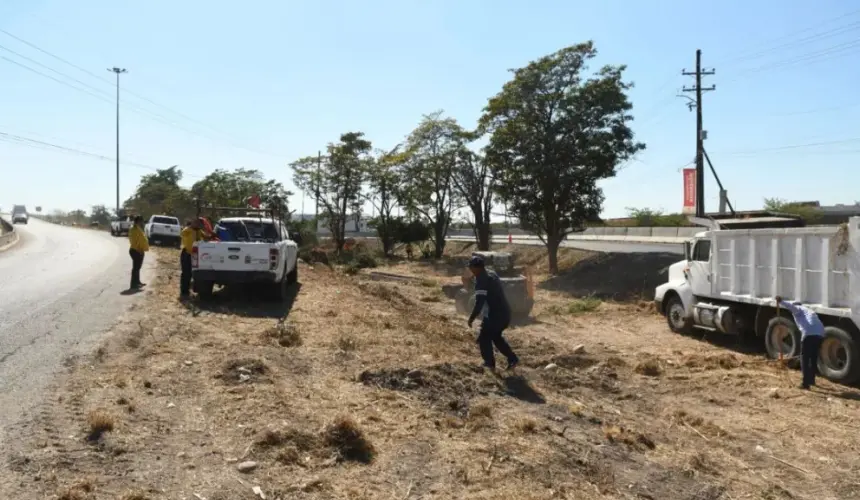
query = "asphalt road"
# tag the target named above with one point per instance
(597, 246)
(60, 291)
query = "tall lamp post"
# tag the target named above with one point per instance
(118, 72)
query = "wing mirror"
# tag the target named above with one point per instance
(688, 249)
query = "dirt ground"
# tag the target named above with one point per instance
(362, 389)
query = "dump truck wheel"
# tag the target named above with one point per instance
(781, 336)
(839, 359)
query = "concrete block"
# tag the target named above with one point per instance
(638, 232)
(689, 232)
(597, 231)
(616, 231)
(664, 232)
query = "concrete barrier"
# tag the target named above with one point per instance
(664, 232)
(638, 232)
(8, 236)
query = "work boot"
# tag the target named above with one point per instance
(512, 363)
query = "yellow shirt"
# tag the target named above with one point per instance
(189, 235)
(137, 240)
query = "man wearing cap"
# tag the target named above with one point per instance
(812, 333)
(489, 292)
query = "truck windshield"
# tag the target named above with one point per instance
(170, 221)
(251, 230)
(19, 209)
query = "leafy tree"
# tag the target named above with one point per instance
(646, 217)
(475, 184)
(78, 216)
(336, 181)
(555, 131)
(231, 189)
(383, 180)
(100, 214)
(805, 212)
(427, 186)
(160, 193)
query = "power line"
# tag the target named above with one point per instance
(792, 146)
(743, 54)
(154, 116)
(49, 146)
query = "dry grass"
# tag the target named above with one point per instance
(650, 367)
(349, 441)
(99, 422)
(381, 395)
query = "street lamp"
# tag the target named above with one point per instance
(118, 72)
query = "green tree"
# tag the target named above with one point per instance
(231, 189)
(160, 193)
(100, 214)
(427, 186)
(383, 180)
(805, 212)
(475, 185)
(646, 217)
(78, 217)
(336, 181)
(556, 131)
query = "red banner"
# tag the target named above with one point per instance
(689, 191)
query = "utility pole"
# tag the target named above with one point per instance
(700, 134)
(118, 72)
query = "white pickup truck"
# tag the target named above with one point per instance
(730, 277)
(163, 229)
(259, 251)
(120, 225)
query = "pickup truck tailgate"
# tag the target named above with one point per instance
(164, 230)
(233, 256)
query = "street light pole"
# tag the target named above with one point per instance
(118, 72)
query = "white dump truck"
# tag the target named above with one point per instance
(729, 278)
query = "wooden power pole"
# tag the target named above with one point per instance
(700, 134)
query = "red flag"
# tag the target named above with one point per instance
(253, 201)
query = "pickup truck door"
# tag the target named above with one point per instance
(699, 268)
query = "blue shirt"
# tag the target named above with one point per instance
(805, 319)
(489, 291)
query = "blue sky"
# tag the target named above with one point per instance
(267, 82)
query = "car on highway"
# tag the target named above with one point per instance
(259, 252)
(163, 229)
(119, 226)
(20, 215)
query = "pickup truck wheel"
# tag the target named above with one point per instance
(283, 289)
(676, 316)
(838, 359)
(204, 288)
(293, 276)
(781, 336)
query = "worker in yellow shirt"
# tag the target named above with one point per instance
(190, 234)
(138, 246)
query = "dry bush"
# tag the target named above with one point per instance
(480, 411)
(347, 343)
(99, 422)
(527, 425)
(633, 439)
(78, 491)
(286, 334)
(725, 361)
(348, 441)
(650, 367)
(700, 423)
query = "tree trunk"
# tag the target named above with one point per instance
(552, 244)
(484, 236)
(439, 233)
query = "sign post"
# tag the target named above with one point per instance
(689, 191)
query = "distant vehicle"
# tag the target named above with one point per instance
(258, 252)
(119, 226)
(20, 215)
(162, 229)
(729, 278)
